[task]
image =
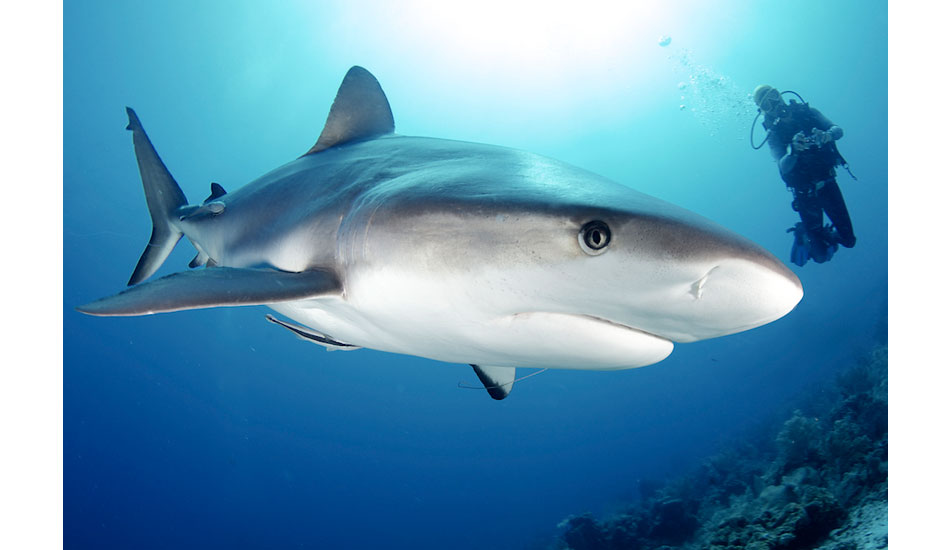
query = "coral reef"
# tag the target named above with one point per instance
(819, 483)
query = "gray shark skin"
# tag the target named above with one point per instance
(453, 251)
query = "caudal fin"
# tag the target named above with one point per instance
(164, 198)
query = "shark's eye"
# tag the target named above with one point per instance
(594, 237)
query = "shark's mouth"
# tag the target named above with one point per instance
(619, 324)
(585, 341)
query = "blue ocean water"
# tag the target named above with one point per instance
(216, 429)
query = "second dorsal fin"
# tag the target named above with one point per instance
(360, 111)
(216, 192)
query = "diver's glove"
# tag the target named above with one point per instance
(820, 137)
(816, 139)
(800, 249)
(800, 142)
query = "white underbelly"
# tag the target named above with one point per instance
(523, 339)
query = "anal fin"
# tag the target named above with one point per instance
(497, 380)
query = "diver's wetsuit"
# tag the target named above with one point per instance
(810, 174)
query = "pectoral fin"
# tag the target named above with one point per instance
(215, 287)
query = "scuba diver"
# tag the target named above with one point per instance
(802, 141)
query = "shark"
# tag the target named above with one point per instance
(453, 251)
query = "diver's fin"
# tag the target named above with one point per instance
(360, 111)
(311, 335)
(163, 196)
(497, 380)
(215, 287)
(216, 192)
(799, 255)
(823, 245)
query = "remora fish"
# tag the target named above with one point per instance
(454, 251)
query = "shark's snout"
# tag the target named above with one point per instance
(683, 278)
(739, 294)
(711, 299)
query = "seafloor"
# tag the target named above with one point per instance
(814, 479)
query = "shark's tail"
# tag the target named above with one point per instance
(164, 198)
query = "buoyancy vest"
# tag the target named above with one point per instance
(813, 164)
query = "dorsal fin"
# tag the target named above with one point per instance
(216, 192)
(360, 111)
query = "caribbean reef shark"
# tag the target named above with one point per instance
(453, 251)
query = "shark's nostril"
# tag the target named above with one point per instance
(696, 289)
